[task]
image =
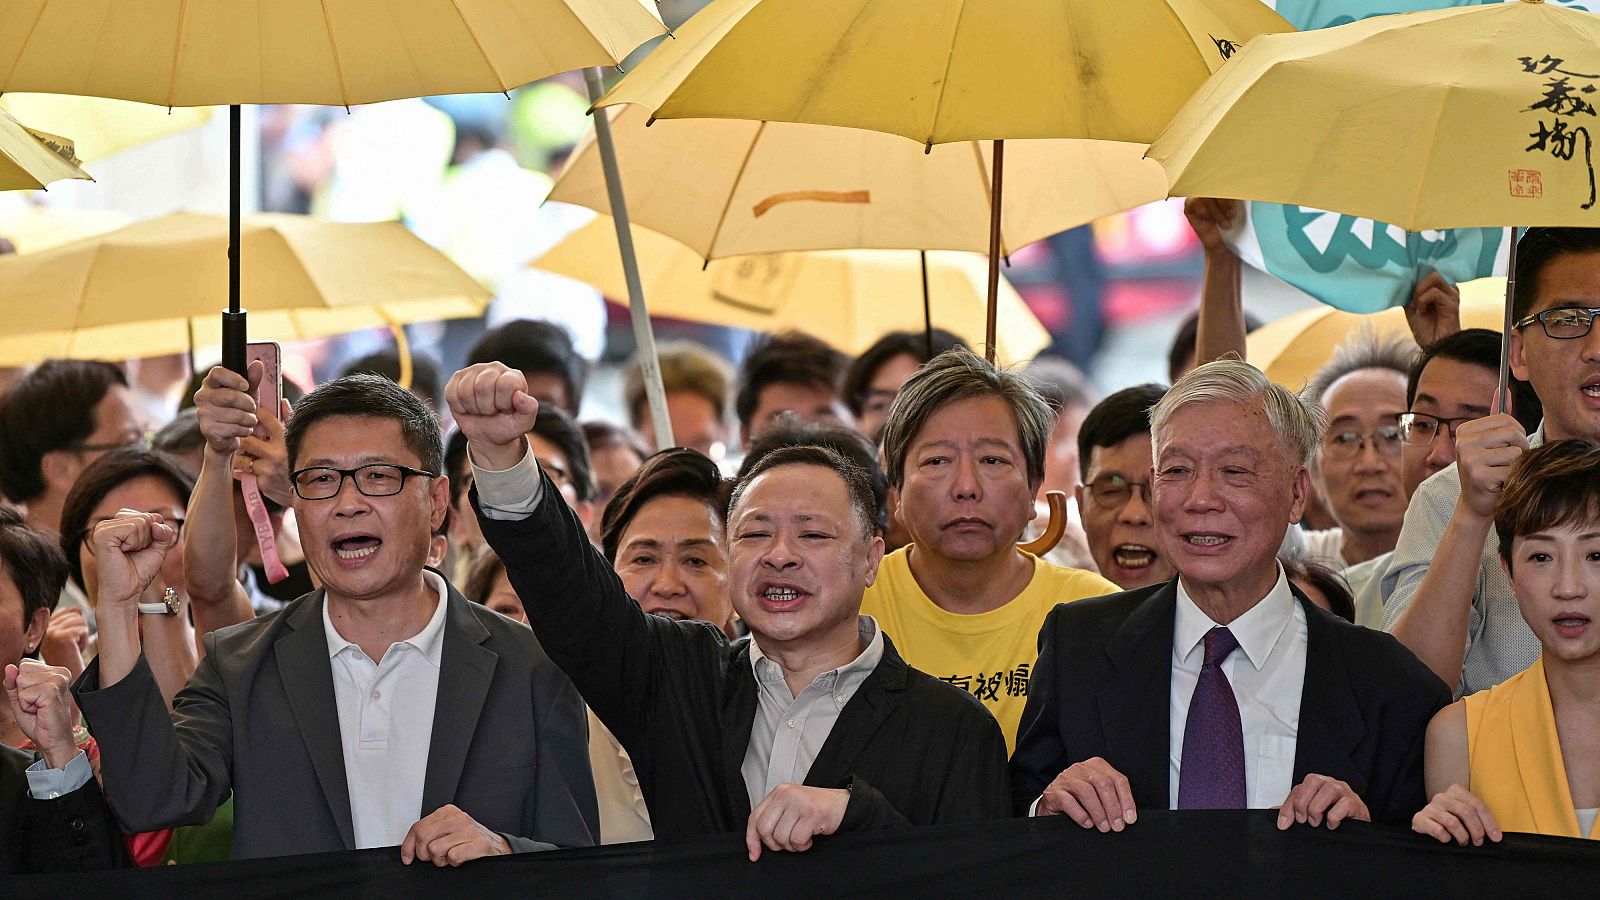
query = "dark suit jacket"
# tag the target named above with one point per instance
(259, 718)
(1103, 683)
(681, 700)
(72, 833)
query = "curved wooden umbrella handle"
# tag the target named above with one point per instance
(1053, 529)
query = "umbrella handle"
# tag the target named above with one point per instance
(234, 337)
(1054, 528)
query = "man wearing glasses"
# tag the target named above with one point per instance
(381, 709)
(54, 421)
(1114, 498)
(1446, 593)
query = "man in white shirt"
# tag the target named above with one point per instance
(381, 709)
(1269, 701)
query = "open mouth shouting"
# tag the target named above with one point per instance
(1133, 556)
(353, 549)
(1590, 388)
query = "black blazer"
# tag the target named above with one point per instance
(681, 700)
(71, 833)
(1103, 683)
(259, 718)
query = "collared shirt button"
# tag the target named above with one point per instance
(377, 695)
(791, 723)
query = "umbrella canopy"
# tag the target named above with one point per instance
(728, 187)
(146, 289)
(1291, 349)
(331, 53)
(938, 71)
(847, 298)
(1488, 122)
(33, 228)
(31, 159)
(101, 127)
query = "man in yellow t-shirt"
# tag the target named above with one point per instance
(964, 449)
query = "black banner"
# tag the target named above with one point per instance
(1190, 854)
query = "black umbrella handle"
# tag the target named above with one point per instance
(234, 337)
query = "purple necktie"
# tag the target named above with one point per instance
(1211, 775)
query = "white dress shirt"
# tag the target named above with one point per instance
(386, 723)
(1267, 674)
(788, 731)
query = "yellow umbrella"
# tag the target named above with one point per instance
(1291, 349)
(34, 228)
(728, 187)
(31, 159)
(939, 71)
(847, 298)
(101, 127)
(206, 54)
(143, 290)
(1476, 116)
(335, 54)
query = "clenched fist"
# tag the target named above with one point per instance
(492, 407)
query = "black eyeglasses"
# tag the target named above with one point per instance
(1113, 491)
(1421, 429)
(1564, 323)
(372, 480)
(141, 441)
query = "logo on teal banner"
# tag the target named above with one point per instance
(1363, 266)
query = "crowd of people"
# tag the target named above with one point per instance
(483, 626)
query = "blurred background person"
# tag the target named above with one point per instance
(698, 385)
(874, 378)
(543, 352)
(615, 453)
(789, 372)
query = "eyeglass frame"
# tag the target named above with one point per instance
(1525, 321)
(1361, 443)
(405, 472)
(1117, 481)
(1448, 425)
(142, 441)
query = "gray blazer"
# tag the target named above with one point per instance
(259, 718)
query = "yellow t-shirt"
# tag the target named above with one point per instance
(989, 654)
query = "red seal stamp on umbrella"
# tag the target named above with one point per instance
(1527, 183)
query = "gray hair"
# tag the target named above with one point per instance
(958, 375)
(1363, 349)
(1298, 424)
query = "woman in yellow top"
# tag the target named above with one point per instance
(1525, 754)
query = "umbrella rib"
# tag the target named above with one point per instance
(473, 33)
(177, 46)
(716, 235)
(938, 105)
(32, 27)
(338, 64)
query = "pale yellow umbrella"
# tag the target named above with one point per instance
(848, 298)
(143, 290)
(101, 127)
(941, 71)
(726, 187)
(1291, 349)
(32, 228)
(31, 159)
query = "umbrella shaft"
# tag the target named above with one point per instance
(234, 333)
(1502, 395)
(994, 251)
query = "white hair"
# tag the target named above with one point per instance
(1298, 424)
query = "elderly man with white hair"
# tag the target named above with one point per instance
(1225, 688)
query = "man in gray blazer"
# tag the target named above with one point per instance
(381, 709)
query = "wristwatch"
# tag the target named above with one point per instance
(167, 607)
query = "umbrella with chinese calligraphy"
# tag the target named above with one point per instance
(1478, 116)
